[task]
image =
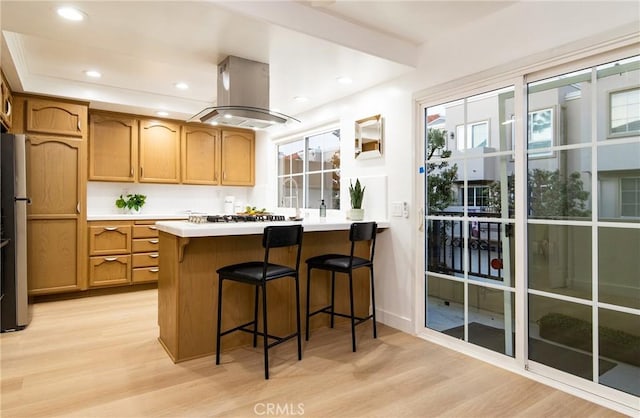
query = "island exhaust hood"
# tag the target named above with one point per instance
(243, 97)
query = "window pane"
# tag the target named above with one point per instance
(445, 304)
(619, 98)
(618, 169)
(487, 322)
(289, 191)
(314, 190)
(619, 343)
(560, 187)
(565, 98)
(491, 253)
(497, 196)
(445, 246)
(290, 158)
(560, 336)
(619, 266)
(560, 259)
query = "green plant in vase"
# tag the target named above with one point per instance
(131, 201)
(357, 194)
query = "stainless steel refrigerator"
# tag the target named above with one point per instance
(14, 301)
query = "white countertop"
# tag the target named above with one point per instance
(188, 230)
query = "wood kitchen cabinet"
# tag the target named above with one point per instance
(56, 184)
(145, 255)
(56, 163)
(6, 99)
(113, 147)
(56, 117)
(200, 155)
(109, 253)
(123, 252)
(159, 149)
(238, 158)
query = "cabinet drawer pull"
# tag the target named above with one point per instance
(153, 228)
(110, 259)
(153, 241)
(154, 270)
(153, 255)
(131, 173)
(8, 112)
(110, 228)
(79, 126)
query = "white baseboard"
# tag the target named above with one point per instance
(395, 321)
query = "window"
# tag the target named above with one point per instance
(477, 196)
(630, 196)
(477, 135)
(624, 113)
(540, 136)
(309, 171)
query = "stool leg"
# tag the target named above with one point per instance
(373, 305)
(264, 329)
(353, 316)
(298, 317)
(218, 325)
(255, 319)
(333, 295)
(306, 332)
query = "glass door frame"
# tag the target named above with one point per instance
(520, 363)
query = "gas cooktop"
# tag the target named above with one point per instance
(198, 218)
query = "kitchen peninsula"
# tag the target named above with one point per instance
(190, 254)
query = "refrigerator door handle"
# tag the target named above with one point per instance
(26, 199)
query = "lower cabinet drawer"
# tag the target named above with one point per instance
(145, 260)
(145, 245)
(109, 270)
(145, 274)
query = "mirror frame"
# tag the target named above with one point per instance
(369, 146)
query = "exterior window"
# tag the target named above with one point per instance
(630, 196)
(309, 171)
(624, 113)
(477, 135)
(540, 132)
(477, 196)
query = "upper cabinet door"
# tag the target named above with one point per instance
(7, 102)
(200, 155)
(58, 118)
(159, 152)
(113, 148)
(238, 158)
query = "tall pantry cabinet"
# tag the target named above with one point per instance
(56, 154)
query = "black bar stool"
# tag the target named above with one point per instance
(339, 263)
(258, 273)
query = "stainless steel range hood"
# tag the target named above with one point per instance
(243, 97)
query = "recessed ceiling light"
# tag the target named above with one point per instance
(93, 73)
(213, 122)
(162, 113)
(181, 85)
(344, 80)
(228, 116)
(70, 13)
(301, 99)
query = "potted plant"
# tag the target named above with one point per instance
(357, 194)
(132, 201)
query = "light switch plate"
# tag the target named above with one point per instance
(396, 209)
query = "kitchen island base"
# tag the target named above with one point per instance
(188, 283)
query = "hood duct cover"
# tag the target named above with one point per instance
(243, 96)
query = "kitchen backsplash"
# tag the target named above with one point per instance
(163, 199)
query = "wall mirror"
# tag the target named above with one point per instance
(369, 137)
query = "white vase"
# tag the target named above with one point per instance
(356, 214)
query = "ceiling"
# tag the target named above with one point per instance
(144, 48)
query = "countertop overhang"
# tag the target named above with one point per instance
(187, 229)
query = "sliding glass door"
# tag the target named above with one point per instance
(569, 182)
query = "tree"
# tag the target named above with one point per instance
(551, 195)
(440, 176)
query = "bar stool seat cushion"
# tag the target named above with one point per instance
(252, 271)
(336, 261)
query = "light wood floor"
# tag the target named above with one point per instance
(99, 357)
